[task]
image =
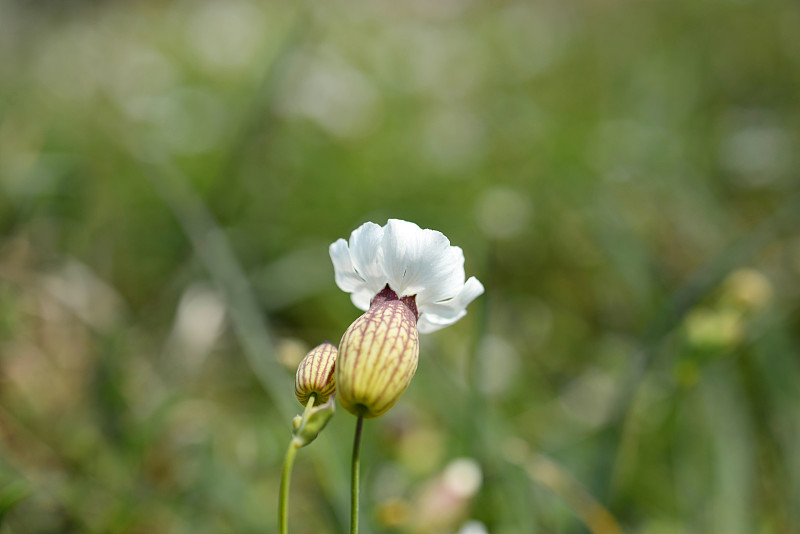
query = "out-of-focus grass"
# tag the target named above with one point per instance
(622, 176)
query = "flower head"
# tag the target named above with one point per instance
(409, 281)
(415, 263)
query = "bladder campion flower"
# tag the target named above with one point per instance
(409, 281)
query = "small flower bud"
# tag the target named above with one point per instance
(378, 356)
(315, 374)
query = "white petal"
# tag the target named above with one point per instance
(345, 274)
(362, 299)
(447, 312)
(472, 290)
(366, 255)
(415, 260)
(451, 307)
(446, 279)
(430, 323)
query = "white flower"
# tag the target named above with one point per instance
(413, 262)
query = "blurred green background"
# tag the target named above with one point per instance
(622, 176)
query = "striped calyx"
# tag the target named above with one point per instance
(315, 374)
(378, 355)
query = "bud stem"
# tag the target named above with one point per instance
(286, 475)
(355, 473)
(310, 404)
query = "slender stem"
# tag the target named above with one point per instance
(310, 404)
(355, 476)
(283, 509)
(286, 476)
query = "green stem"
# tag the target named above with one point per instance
(286, 476)
(310, 404)
(355, 476)
(283, 509)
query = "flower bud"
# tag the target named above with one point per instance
(378, 355)
(315, 374)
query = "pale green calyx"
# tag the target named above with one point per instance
(306, 427)
(378, 356)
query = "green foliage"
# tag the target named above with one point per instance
(622, 177)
